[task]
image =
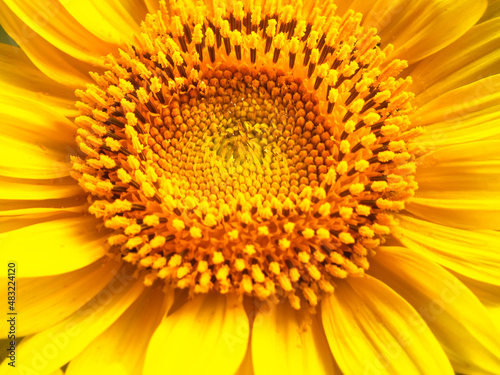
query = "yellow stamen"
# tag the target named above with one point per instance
(248, 149)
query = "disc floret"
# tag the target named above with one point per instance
(248, 150)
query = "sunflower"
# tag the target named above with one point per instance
(251, 187)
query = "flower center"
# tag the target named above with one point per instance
(248, 150)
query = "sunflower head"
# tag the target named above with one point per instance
(246, 149)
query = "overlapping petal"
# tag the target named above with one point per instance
(473, 57)
(419, 28)
(53, 62)
(246, 366)
(282, 344)
(488, 294)
(122, 347)
(60, 129)
(114, 21)
(49, 350)
(492, 11)
(474, 254)
(454, 314)
(44, 301)
(459, 186)
(466, 114)
(213, 329)
(56, 25)
(24, 189)
(54, 247)
(371, 329)
(19, 77)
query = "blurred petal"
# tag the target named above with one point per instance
(371, 329)
(453, 313)
(217, 328)
(246, 367)
(283, 344)
(152, 5)
(492, 11)
(464, 212)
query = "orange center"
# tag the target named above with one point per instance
(248, 150)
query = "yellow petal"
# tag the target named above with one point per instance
(49, 350)
(207, 335)
(35, 122)
(246, 367)
(13, 220)
(22, 159)
(21, 189)
(44, 301)
(20, 208)
(27, 150)
(281, 344)
(19, 77)
(114, 21)
(472, 167)
(470, 58)
(468, 113)
(60, 246)
(8, 349)
(450, 309)
(488, 294)
(459, 186)
(54, 23)
(122, 347)
(494, 313)
(17, 214)
(474, 254)
(466, 211)
(50, 60)
(30, 121)
(492, 11)
(362, 6)
(419, 28)
(371, 329)
(152, 5)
